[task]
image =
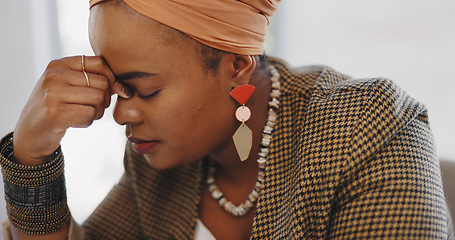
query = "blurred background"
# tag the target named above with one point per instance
(409, 41)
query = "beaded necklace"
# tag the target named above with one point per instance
(216, 193)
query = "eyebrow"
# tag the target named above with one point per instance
(132, 75)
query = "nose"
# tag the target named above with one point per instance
(127, 112)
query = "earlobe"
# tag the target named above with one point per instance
(244, 66)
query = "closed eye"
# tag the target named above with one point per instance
(150, 96)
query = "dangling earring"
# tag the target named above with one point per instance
(243, 137)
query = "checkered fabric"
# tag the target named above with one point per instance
(349, 159)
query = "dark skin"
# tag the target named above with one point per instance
(179, 103)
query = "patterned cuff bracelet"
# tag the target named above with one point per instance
(35, 195)
(30, 197)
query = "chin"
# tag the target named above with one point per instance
(161, 163)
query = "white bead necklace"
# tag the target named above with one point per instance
(216, 193)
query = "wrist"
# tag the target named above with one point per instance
(20, 156)
(35, 195)
(25, 160)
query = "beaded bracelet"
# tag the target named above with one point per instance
(35, 195)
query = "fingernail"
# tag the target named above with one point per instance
(127, 92)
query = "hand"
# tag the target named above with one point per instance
(62, 99)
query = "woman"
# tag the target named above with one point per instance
(222, 142)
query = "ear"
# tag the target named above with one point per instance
(244, 66)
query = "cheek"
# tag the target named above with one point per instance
(201, 115)
(179, 114)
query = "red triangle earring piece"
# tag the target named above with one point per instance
(243, 137)
(242, 93)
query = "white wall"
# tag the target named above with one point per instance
(409, 41)
(28, 41)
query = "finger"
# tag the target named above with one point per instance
(78, 95)
(100, 82)
(99, 62)
(77, 116)
(79, 79)
(96, 64)
(92, 64)
(87, 96)
(54, 79)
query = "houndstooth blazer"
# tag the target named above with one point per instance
(349, 159)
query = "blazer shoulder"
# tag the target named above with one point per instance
(319, 94)
(380, 95)
(379, 110)
(375, 95)
(368, 111)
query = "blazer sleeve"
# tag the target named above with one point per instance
(397, 193)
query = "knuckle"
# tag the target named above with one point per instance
(99, 114)
(50, 97)
(98, 62)
(104, 83)
(53, 110)
(53, 63)
(99, 97)
(50, 76)
(51, 93)
(107, 103)
(89, 116)
(85, 118)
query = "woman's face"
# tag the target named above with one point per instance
(179, 111)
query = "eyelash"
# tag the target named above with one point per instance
(146, 97)
(150, 96)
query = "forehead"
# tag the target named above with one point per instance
(118, 33)
(115, 20)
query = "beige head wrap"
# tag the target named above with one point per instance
(236, 26)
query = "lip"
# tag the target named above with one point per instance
(142, 146)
